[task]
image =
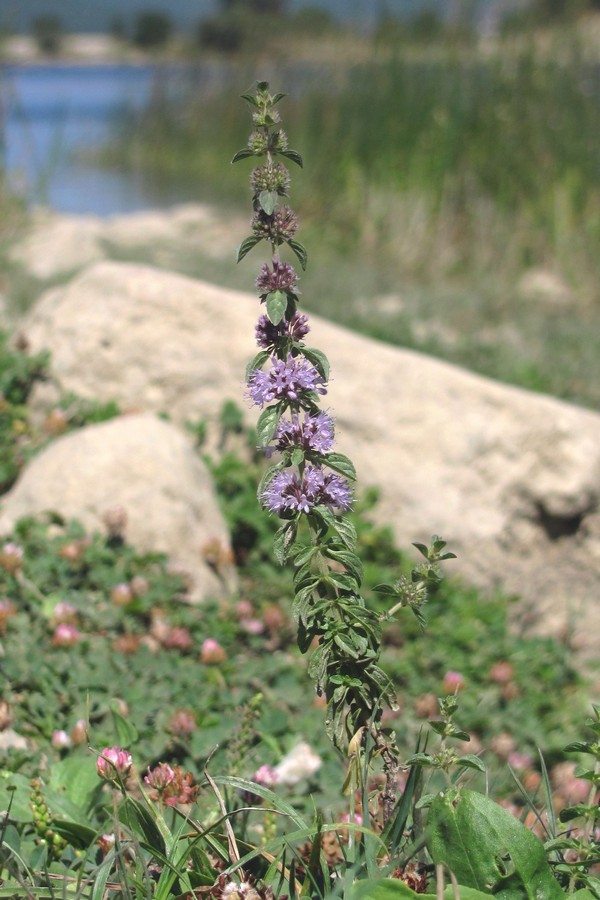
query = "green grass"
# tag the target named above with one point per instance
(442, 176)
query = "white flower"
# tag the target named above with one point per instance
(301, 762)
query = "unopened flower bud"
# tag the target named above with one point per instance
(6, 716)
(114, 762)
(211, 652)
(56, 422)
(121, 594)
(65, 635)
(139, 585)
(11, 558)
(453, 682)
(60, 740)
(79, 732)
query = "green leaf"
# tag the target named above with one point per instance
(242, 154)
(246, 246)
(297, 456)
(126, 732)
(268, 201)
(346, 532)
(341, 464)
(300, 251)
(257, 362)
(392, 889)
(139, 817)
(264, 481)
(386, 589)
(319, 361)
(267, 423)
(419, 759)
(250, 98)
(470, 761)
(577, 747)
(276, 306)
(292, 155)
(473, 837)
(283, 541)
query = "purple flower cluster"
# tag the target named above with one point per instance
(282, 277)
(290, 491)
(284, 381)
(268, 335)
(313, 432)
(279, 227)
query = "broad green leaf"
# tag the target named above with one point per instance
(14, 795)
(268, 201)
(267, 423)
(250, 98)
(300, 251)
(487, 848)
(127, 733)
(284, 540)
(242, 154)
(470, 761)
(293, 155)
(246, 246)
(341, 464)
(257, 362)
(319, 361)
(392, 889)
(346, 532)
(138, 817)
(276, 306)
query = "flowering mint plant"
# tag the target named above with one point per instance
(310, 486)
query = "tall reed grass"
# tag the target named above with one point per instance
(446, 174)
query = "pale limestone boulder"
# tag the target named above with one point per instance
(144, 466)
(511, 479)
(60, 244)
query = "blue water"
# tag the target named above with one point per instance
(54, 114)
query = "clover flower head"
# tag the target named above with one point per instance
(182, 723)
(180, 789)
(114, 762)
(285, 380)
(160, 777)
(11, 558)
(212, 653)
(65, 635)
(288, 491)
(269, 335)
(282, 277)
(311, 432)
(60, 739)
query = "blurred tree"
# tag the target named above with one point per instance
(48, 34)
(152, 29)
(224, 33)
(117, 28)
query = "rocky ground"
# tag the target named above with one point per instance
(510, 479)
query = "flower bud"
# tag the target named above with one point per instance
(79, 732)
(114, 762)
(65, 635)
(11, 558)
(60, 740)
(453, 682)
(211, 652)
(121, 594)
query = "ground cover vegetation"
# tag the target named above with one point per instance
(116, 691)
(448, 174)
